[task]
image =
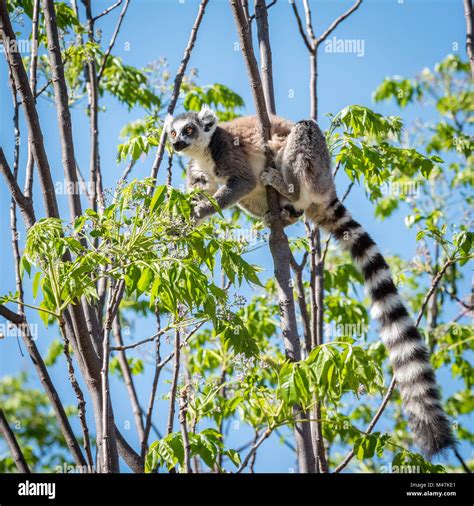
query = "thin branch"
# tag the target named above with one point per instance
(462, 462)
(177, 85)
(112, 307)
(309, 22)
(255, 447)
(183, 409)
(298, 270)
(434, 285)
(35, 135)
(127, 376)
(15, 449)
(253, 16)
(371, 425)
(112, 40)
(24, 203)
(301, 28)
(174, 383)
(109, 9)
(62, 106)
(341, 18)
(154, 386)
(81, 406)
(33, 82)
(469, 34)
(154, 337)
(266, 65)
(184, 343)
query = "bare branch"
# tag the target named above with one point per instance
(35, 135)
(107, 430)
(174, 382)
(309, 22)
(24, 203)
(15, 449)
(62, 106)
(177, 85)
(469, 34)
(301, 28)
(33, 81)
(127, 376)
(183, 409)
(341, 18)
(462, 462)
(266, 65)
(113, 39)
(151, 402)
(253, 16)
(109, 9)
(81, 406)
(255, 447)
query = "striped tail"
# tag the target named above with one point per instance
(407, 351)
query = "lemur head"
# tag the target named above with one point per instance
(191, 131)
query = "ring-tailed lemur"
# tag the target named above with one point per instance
(227, 161)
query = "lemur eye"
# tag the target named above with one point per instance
(189, 130)
(173, 134)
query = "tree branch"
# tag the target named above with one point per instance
(127, 376)
(279, 245)
(33, 82)
(109, 9)
(341, 18)
(113, 39)
(62, 106)
(15, 449)
(24, 203)
(266, 65)
(301, 28)
(469, 34)
(174, 383)
(177, 85)
(35, 135)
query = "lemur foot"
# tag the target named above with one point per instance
(285, 216)
(269, 218)
(269, 176)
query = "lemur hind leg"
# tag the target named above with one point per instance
(273, 177)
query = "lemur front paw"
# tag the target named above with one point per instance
(199, 211)
(269, 175)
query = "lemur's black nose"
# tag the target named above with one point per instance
(180, 145)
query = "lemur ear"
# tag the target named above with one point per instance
(168, 121)
(208, 117)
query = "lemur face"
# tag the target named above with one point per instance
(191, 131)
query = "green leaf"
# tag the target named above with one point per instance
(36, 281)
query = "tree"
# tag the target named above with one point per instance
(216, 359)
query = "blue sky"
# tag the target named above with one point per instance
(400, 38)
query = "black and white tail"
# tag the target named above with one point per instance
(408, 353)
